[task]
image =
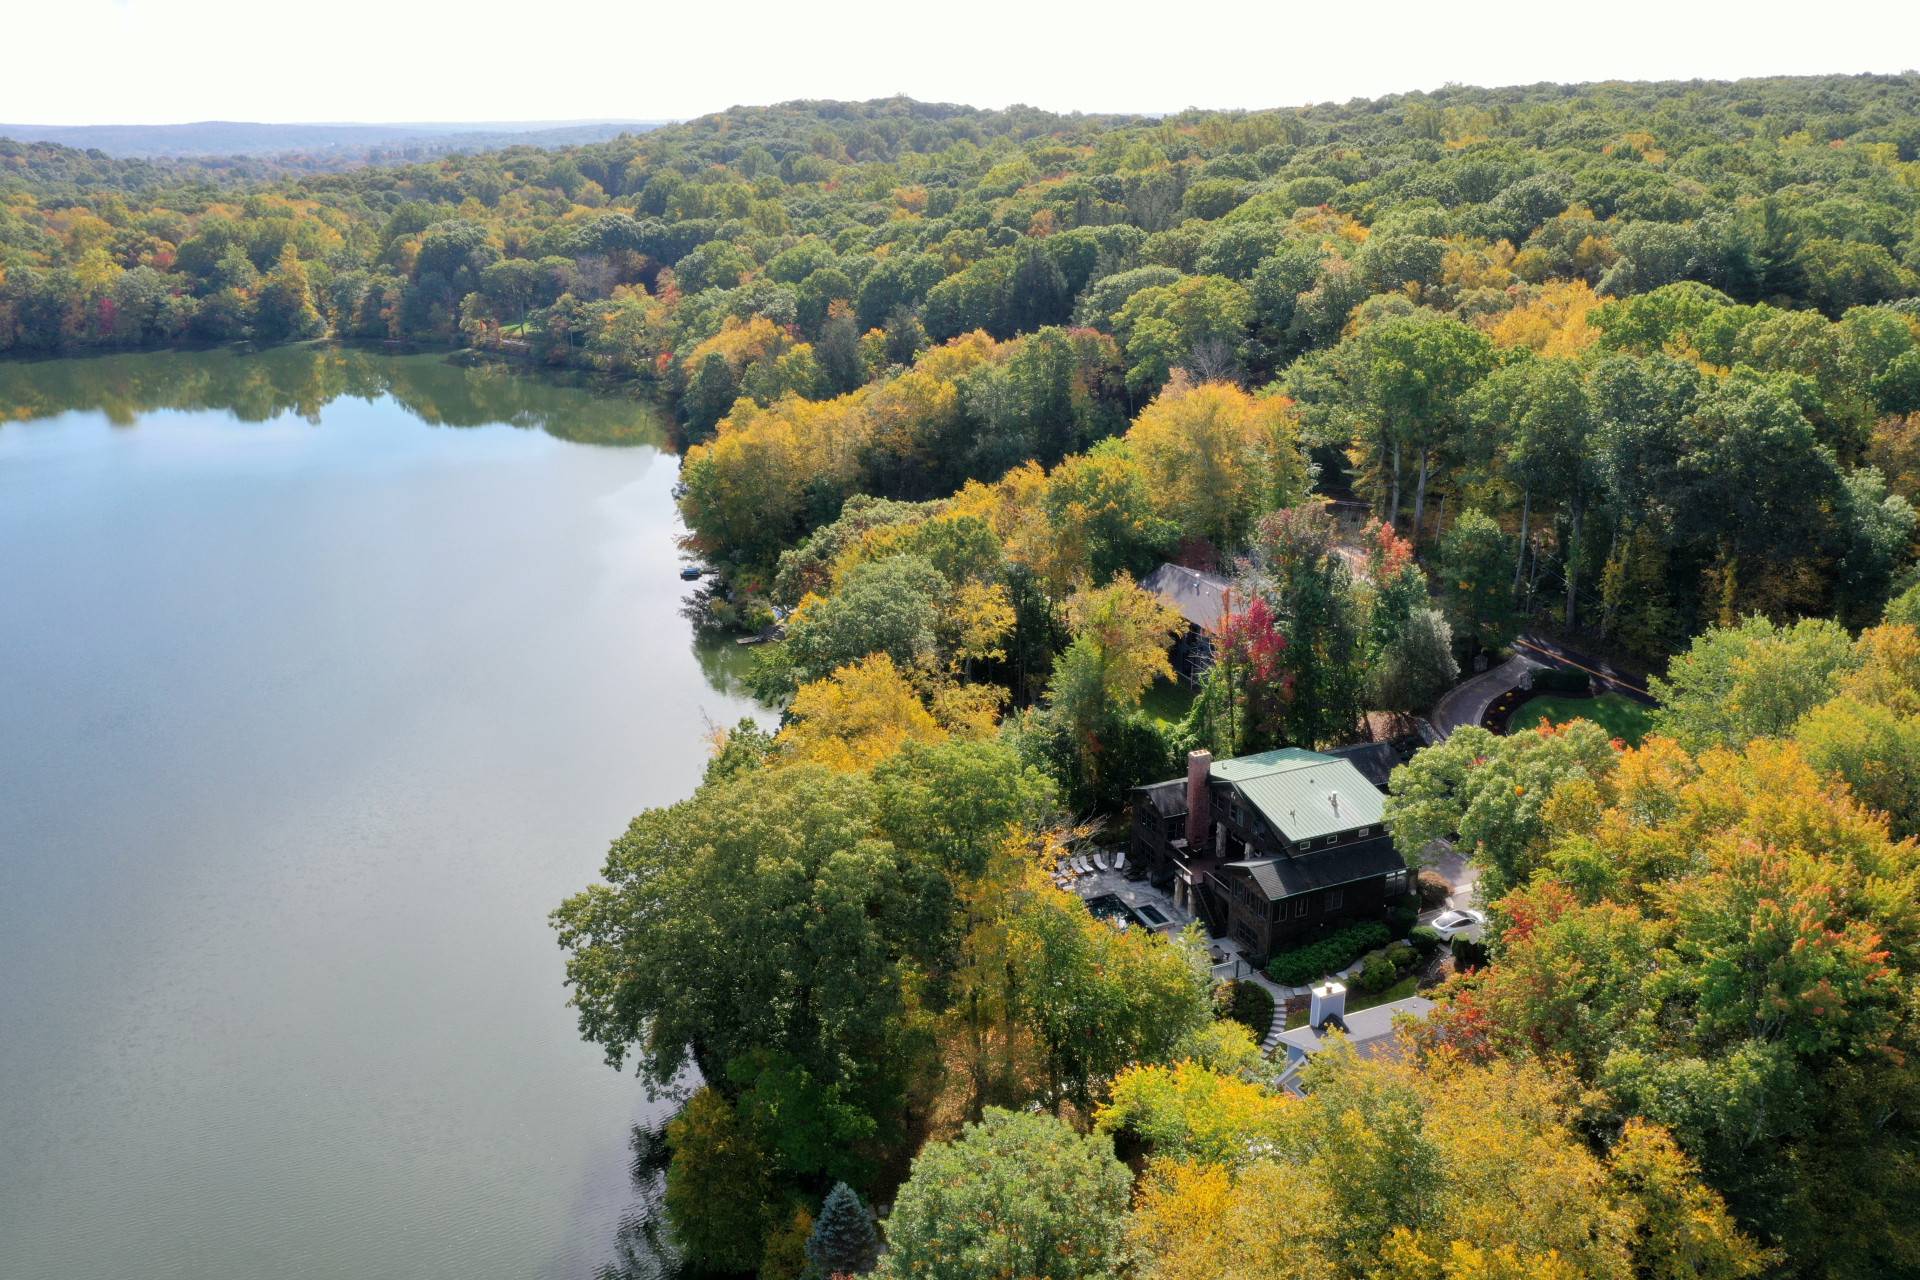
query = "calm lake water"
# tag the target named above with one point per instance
(328, 674)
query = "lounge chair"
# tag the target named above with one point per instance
(1100, 861)
(1080, 866)
(1120, 860)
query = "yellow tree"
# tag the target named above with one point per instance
(1125, 632)
(1216, 458)
(860, 715)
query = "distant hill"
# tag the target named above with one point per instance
(339, 141)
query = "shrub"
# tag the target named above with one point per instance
(1377, 975)
(1434, 890)
(1468, 954)
(1426, 938)
(1337, 950)
(1247, 1003)
(1402, 957)
(1402, 916)
(1576, 684)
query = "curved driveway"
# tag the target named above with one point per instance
(1466, 702)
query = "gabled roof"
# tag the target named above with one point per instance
(1298, 873)
(1167, 798)
(1370, 1030)
(1303, 794)
(1376, 761)
(1200, 597)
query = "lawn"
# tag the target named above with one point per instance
(1167, 701)
(1358, 999)
(1620, 716)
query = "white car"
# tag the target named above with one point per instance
(1461, 923)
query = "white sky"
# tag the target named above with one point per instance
(161, 61)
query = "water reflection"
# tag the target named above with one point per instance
(303, 380)
(641, 1249)
(309, 728)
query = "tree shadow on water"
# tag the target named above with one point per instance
(641, 1247)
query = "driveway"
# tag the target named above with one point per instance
(1447, 862)
(1466, 702)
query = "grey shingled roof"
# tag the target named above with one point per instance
(1166, 797)
(1200, 597)
(1299, 873)
(1371, 1030)
(1376, 761)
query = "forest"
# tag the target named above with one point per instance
(1636, 366)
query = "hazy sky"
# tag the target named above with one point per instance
(156, 61)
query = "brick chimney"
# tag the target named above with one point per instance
(1199, 807)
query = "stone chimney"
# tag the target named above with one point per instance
(1199, 806)
(1329, 1005)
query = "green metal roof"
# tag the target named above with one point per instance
(1304, 794)
(1266, 762)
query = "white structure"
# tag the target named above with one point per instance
(1329, 1003)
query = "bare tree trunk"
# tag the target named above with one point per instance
(1572, 558)
(1420, 492)
(1393, 503)
(1607, 608)
(1520, 557)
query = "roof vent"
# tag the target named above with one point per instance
(1333, 799)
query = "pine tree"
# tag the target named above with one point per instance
(843, 1240)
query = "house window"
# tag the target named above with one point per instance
(1334, 898)
(1300, 908)
(1333, 840)
(1364, 832)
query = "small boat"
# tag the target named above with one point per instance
(691, 572)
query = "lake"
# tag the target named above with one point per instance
(328, 675)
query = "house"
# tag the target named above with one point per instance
(1376, 761)
(1271, 849)
(1202, 599)
(1370, 1031)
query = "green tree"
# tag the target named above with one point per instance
(1407, 380)
(1750, 681)
(843, 1242)
(720, 1197)
(1474, 567)
(1015, 1195)
(1492, 792)
(1296, 570)
(283, 308)
(1096, 1000)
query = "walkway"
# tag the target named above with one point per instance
(1465, 703)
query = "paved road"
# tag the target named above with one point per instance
(1551, 653)
(1465, 703)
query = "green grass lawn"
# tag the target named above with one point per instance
(1167, 701)
(1358, 999)
(1622, 717)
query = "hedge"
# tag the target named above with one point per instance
(1337, 950)
(1250, 1004)
(1562, 680)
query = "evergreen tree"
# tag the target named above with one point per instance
(843, 1240)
